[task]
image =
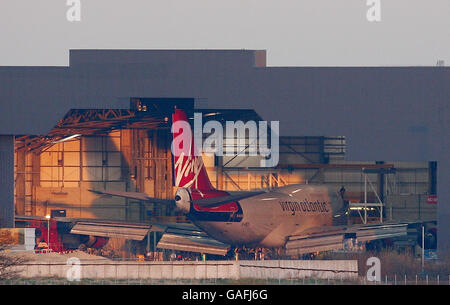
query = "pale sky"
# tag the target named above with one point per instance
(294, 32)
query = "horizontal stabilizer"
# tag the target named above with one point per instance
(134, 195)
(207, 202)
(217, 201)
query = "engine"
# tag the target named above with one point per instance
(183, 200)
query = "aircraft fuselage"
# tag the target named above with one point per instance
(268, 219)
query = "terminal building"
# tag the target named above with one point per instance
(104, 122)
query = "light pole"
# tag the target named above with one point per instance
(48, 231)
(423, 247)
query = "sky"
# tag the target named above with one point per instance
(294, 32)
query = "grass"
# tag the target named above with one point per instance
(61, 281)
(394, 263)
(399, 280)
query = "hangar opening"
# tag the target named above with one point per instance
(120, 149)
(129, 150)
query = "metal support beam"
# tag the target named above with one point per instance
(20, 182)
(432, 178)
(232, 181)
(6, 181)
(367, 205)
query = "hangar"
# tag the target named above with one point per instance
(103, 122)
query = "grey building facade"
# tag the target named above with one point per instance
(385, 113)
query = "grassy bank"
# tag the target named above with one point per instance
(394, 263)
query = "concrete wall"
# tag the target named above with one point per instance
(283, 269)
(18, 238)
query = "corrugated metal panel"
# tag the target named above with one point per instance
(199, 244)
(129, 231)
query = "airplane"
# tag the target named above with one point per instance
(299, 219)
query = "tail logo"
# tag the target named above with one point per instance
(193, 165)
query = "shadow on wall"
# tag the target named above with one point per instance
(113, 162)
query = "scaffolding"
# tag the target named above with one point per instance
(370, 206)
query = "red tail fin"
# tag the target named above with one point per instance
(188, 164)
